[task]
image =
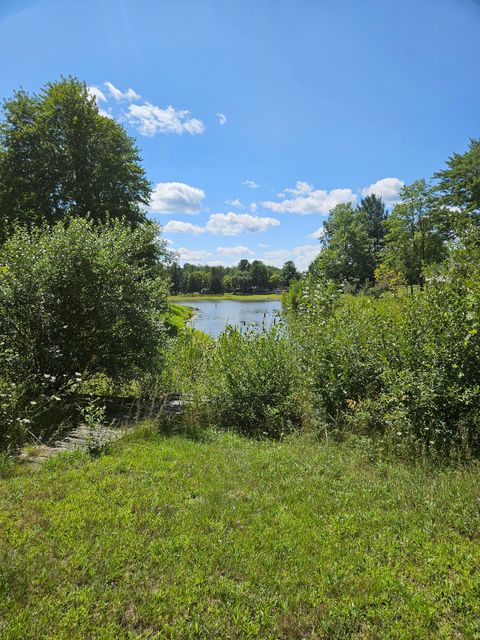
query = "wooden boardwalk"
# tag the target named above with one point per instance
(88, 438)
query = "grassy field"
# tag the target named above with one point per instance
(226, 296)
(164, 537)
(177, 317)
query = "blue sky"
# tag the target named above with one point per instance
(319, 102)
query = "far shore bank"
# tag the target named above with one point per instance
(257, 297)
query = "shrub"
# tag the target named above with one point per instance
(433, 397)
(343, 342)
(79, 299)
(251, 385)
(406, 367)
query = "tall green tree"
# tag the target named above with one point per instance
(244, 265)
(373, 209)
(216, 280)
(194, 281)
(176, 278)
(59, 156)
(289, 273)
(259, 274)
(413, 238)
(458, 189)
(275, 280)
(346, 255)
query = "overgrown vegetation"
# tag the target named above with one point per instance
(76, 301)
(249, 383)
(330, 520)
(403, 367)
(178, 316)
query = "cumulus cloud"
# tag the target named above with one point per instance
(222, 118)
(106, 114)
(234, 251)
(278, 256)
(118, 95)
(150, 120)
(220, 224)
(305, 254)
(387, 189)
(304, 199)
(177, 226)
(318, 233)
(193, 255)
(176, 197)
(302, 255)
(234, 203)
(97, 93)
(250, 184)
(233, 224)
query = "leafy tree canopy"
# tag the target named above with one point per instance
(413, 239)
(289, 273)
(373, 209)
(346, 254)
(59, 156)
(459, 189)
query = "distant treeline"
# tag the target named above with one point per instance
(246, 277)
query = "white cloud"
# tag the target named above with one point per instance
(279, 255)
(301, 188)
(301, 255)
(118, 95)
(387, 189)
(307, 200)
(193, 255)
(253, 207)
(97, 93)
(305, 254)
(234, 203)
(222, 118)
(176, 197)
(177, 226)
(318, 233)
(250, 184)
(150, 120)
(234, 251)
(233, 224)
(106, 114)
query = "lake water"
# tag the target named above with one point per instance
(212, 316)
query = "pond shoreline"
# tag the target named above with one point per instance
(256, 297)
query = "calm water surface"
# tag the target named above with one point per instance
(213, 316)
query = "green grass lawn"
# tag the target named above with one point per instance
(228, 538)
(227, 296)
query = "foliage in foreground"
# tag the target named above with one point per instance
(231, 538)
(76, 300)
(405, 367)
(244, 381)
